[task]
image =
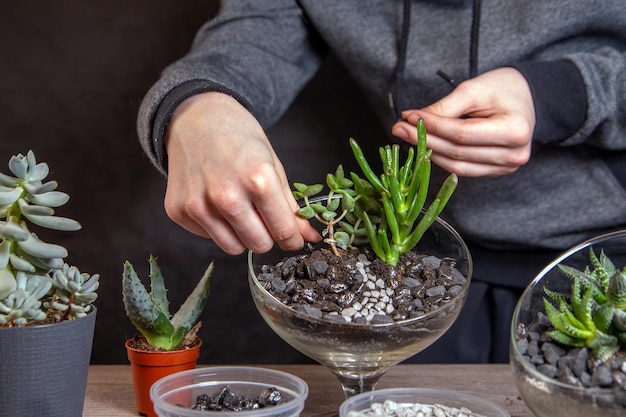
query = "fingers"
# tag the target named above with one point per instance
(471, 147)
(226, 183)
(483, 128)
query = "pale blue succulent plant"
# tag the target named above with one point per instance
(36, 284)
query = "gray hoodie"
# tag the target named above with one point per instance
(573, 54)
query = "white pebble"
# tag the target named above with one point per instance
(348, 312)
(380, 283)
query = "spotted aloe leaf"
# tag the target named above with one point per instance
(149, 311)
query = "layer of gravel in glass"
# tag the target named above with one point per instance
(574, 366)
(358, 287)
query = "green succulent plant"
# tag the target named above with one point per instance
(386, 210)
(149, 311)
(594, 314)
(36, 285)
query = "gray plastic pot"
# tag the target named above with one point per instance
(43, 369)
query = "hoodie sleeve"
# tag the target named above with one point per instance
(580, 99)
(264, 73)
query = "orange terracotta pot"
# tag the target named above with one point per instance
(148, 367)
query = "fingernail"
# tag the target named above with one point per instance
(400, 132)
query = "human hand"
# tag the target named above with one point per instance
(482, 128)
(225, 181)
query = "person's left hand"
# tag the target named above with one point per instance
(482, 128)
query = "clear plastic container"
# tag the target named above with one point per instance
(173, 395)
(476, 405)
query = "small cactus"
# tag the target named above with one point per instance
(594, 314)
(149, 311)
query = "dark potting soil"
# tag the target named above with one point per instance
(574, 366)
(358, 287)
(227, 400)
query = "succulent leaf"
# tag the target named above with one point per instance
(36, 247)
(188, 313)
(54, 222)
(10, 197)
(158, 292)
(616, 290)
(49, 199)
(18, 165)
(142, 312)
(8, 283)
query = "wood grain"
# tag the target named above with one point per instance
(110, 388)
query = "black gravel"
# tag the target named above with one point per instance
(322, 284)
(227, 400)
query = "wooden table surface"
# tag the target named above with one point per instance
(110, 387)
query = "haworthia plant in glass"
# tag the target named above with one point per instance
(593, 315)
(149, 311)
(36, 285)
(386, 210)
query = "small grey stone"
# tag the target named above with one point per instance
(265, 277)
(603, 376)
(411, 282)
(307, 309)
(335, 317)
(381, 319)
(431, 262)
(320, 266)
(289, 263)
(455, 290)
(278, 285)
(552, 352)
(437, 291)
(548, 370)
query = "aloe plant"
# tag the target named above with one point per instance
(36, 285)
(149, 311)
(594, 314)
(386, 210)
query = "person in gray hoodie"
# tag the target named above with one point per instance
(525, 100)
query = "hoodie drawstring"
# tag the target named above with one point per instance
(394, 96)
(473, 53)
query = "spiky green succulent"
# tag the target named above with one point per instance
(149, 311)
(593, 315)
(35, 282)
(386, 210)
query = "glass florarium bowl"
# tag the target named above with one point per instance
(360, 353)
(541, 367)
(242, 391)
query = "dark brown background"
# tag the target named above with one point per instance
(72, 75)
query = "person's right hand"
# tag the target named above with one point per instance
(225, 181)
